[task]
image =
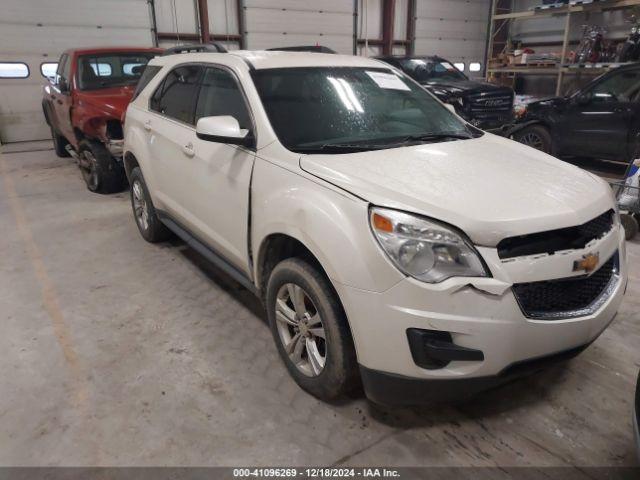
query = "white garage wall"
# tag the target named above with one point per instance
(39, 31)
(223, 20)
(454, 29)
(176, 15)
(36, 31)
(369, 25)
(280, 23)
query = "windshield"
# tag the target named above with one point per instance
(111, 70)
(351, 109)
(425, 69)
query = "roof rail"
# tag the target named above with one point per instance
(303, 48)
(214, 47)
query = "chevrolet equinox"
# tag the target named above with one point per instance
(391, 242)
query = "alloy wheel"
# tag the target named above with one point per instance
(140, 209)
(301, 330)
(89, 170)
(533, 140)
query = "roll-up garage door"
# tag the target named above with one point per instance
(36, 33)
(454, 29)
(285, 23)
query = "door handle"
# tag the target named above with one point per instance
(147, 125)
(188, 150)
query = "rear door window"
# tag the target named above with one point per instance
(147, 75)
(176, 95)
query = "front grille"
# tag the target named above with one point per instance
(483, 104)
(567, 297)
(569, 238)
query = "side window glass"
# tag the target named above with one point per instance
(61, 64)
(154, 102)
(66, 70)
(176, 95)
(148, 74)
(220, 94)
(621, 87)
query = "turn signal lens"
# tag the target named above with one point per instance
(382, 223)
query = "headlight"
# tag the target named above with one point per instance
(520, 110)
(423, 249)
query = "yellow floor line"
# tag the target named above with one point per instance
(49, 296)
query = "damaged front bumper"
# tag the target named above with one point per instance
(479, 315)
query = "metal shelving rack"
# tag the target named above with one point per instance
(502, 17)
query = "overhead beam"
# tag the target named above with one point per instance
(377, 42)
(195, 37)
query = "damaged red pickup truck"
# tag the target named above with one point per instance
(84, 104)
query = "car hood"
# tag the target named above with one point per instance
(489, 187)
(112, 101)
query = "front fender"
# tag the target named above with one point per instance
(331, 223)
(517, 127)
(136, 143)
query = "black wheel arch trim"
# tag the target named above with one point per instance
(518, 127)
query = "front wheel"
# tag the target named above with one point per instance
(100, 171)
(535, 136)
(310, 330)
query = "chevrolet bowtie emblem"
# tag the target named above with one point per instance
(588, 263)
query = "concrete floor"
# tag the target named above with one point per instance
(117, 352)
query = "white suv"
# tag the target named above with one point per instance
(389, 240)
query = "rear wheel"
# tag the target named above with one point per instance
(310, 330)
(100, 171)
(535, 136)
(59, 144)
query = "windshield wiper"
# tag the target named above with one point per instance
(435, 137)
(393, 143)
(340, 147)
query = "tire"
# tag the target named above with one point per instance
(327, 376)
(535, 136)
(144, 213)
(626, 52)
(630, 225)
(100, 171)
(59, 144)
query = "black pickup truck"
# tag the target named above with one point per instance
(482, 104)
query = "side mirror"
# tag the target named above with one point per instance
(223, 129)
(584, 98)
(451, 108)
